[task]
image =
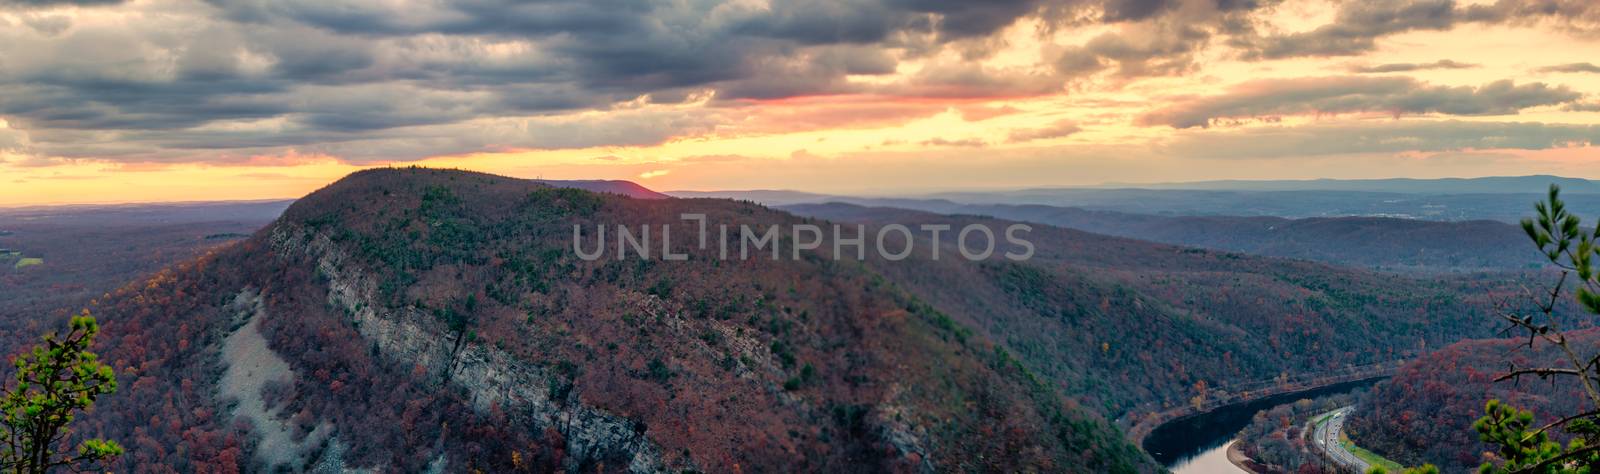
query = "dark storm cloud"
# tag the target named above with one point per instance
(1268, 99)
(1408, 67)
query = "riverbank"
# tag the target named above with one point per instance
(1237, 457)
(1139, 427)
(1218, 460)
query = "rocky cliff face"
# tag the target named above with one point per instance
(491, 376)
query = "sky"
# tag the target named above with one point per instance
(187, 100)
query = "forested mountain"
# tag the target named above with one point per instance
(420, 319)
(1425, 413)
(1387, 244)
(1134, 327)
(412, 319)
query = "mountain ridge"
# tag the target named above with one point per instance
(449, 301)
(1474, 185)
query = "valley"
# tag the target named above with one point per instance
(1501, 199)
(459, 292)
(57, 260)
(1372, 243)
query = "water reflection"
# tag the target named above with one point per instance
(1211, 461)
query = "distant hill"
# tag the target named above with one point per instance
(1367, 242)
(1499, 199)
(1485, 185)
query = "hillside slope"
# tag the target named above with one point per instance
(1426, 412)
(1134, 327)
(439, 320)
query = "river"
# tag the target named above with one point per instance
(1198, 444)
(1210, 461)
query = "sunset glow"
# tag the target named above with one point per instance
(163, 100)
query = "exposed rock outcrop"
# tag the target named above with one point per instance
(251, 366)
(490, 376)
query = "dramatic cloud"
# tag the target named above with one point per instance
(1356, 28)
(1582, 107)
(1271, 98)
(1407, 67)
(1581, 17)
(1152, 53)
(162, 77)
(1057, 130)
(1156, 45)
(1573, 67)
(1358, 25)
(362, 81)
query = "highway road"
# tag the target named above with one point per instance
(1325, 436)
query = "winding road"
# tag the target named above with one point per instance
(1325, 436)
